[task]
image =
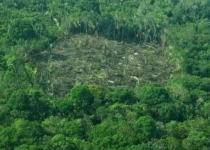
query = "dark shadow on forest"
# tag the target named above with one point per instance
(59, 57)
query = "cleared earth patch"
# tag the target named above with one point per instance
(96, 60)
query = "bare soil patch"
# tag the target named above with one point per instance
(96, 60)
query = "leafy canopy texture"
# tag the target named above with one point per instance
(169, 110)
(21, 29)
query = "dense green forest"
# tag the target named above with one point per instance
(149, 115)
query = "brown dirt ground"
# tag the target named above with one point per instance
(96, 60)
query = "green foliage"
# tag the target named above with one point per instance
(27, 104)
(176, 130)
(20, 29)
(196, 140)
(2, 61)
(140, 147)
(94, 117)
(158, 102)
(198, 136)
(120, 95)
(4, 111)
(116, 136)
(26, 147)
(88, 6)
(167, 144)
(19, 133)
(193, 47)
(153, 94)
(62, 107)
(54, 125)
(60, 141)
(30, 5)
(188, 82)
(186, 88)
(205, 110)
(81, 99)
(98, 93)
(145, 128)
